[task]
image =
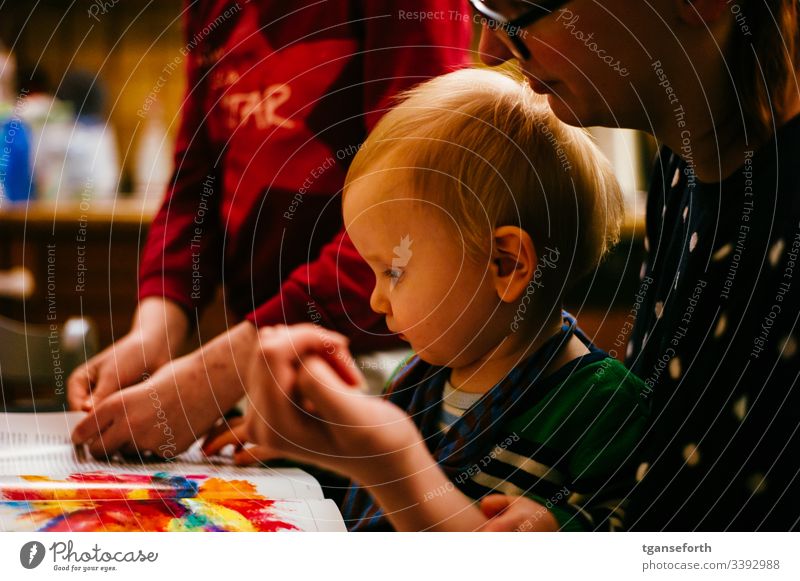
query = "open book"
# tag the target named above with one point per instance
(47, 484)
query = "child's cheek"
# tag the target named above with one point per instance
(413, 319)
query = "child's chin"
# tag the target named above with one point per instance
(434, 358)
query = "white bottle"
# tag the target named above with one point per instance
(153, 158)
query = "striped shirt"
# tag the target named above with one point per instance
(454, 404)
(570, 447)
(567, 452)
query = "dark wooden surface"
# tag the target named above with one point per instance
(84, 263)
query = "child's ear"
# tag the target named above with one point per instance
(701, 12)
(514, 261)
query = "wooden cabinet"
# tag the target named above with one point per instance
(84, 260)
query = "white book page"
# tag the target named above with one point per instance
(326, 516)
(40, 445)
(32, 430)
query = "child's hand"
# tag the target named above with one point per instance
(306, 404)
(516, 514)
(232, 432)
(366, 432)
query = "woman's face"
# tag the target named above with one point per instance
(593, 58)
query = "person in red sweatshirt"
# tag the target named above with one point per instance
(279, 98)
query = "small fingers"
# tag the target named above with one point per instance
(523, 515)
(324, 391)
(214, 443)
(494, 504)
(250, 455)
(295, 341)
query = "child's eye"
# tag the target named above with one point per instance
(393, 273)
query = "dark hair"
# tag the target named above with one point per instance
(84, 91)
(766, 67)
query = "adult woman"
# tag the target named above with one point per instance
(715, 82)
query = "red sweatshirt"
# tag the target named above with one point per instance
(279, 97)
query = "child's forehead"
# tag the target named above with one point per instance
(391, 212)
(379, 193)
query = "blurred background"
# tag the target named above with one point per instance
(103, 62)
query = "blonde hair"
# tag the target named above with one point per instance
(489, 151)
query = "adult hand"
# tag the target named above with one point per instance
(157, 335)
(166, 413)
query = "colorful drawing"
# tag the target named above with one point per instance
(106, 502)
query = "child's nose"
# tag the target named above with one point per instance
(491, 48)
(378, 302)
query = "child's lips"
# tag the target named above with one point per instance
(398, 333)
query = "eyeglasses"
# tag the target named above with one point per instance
(512, 27)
